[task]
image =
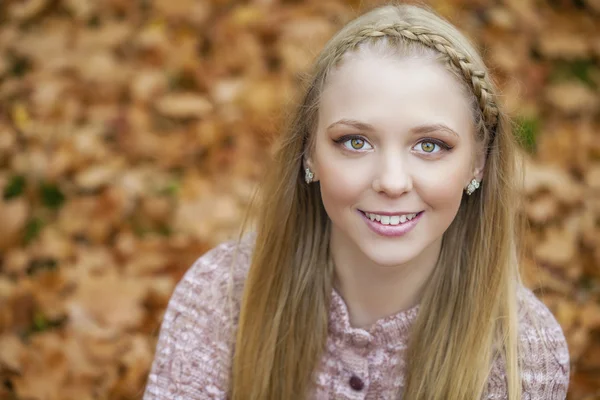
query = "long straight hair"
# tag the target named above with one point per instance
(467, 312)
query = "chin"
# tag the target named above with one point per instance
(390, 260)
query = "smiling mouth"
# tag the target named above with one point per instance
(391, 219)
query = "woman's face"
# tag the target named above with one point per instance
(395, 138)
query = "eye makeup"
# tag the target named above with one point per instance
(440, 143)
(347, 138)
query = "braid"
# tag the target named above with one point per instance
(474, 77)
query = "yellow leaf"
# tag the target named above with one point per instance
(20, 116)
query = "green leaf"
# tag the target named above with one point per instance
(32, 229)
(94, 21)
(181, 80)
(581, 70)
(164, 230)
(171, 189)
(527, 129)
(20, 66)
(15, 187)
(52, 197)
(40, 264)
(40, 323)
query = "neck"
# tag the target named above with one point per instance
(371, 291)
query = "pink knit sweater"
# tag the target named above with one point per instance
(194, 351)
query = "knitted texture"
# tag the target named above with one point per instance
(195, 346)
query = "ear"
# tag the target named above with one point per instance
(479, 166)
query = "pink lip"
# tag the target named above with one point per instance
(389, 213)
(391, 230)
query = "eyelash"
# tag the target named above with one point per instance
(443, 145)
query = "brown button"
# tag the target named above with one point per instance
(356, 383)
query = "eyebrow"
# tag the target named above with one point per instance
(353, 123)
(424, 129)
(421, 129)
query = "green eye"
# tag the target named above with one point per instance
(427, 147)
(357, 144)
(354, 143)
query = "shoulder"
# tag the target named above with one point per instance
(544, 352)
(212, 285)
(219, 272)
(195, 343)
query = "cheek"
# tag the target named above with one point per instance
(338, 184)
(442, 184)
(342, 183)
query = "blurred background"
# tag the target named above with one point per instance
(133, 132)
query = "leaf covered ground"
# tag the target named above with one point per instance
(132, 134)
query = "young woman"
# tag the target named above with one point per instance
(383, 265)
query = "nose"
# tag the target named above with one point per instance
(393, 177)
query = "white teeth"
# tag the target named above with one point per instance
(391, 220)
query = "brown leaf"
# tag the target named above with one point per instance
(592, 177)
(536, 277)
(136, 362)
(153, 37)
(13, 214)
(591, 357)
(27, 9)
(554, 179)
(299, 38)
(148, 84)
(52, 244)
(47, 96)
(15, 261)
(109, 36)
(110, 300)
(103, 68)
(527, 14)
(542, 209)
(147, 263)
(3, 67)
(189, 10)
(160, 290)
(203, 216)
(98, 176)
(157, 208)
(11, 352)
(183, 105)
(594, 5)
(8, 141)
(81, 9)
(557, 249)
(590, 315)
(45, 368)
(572, 98)
(578, 341)
(563, 45)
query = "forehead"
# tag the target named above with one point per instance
(395, 93)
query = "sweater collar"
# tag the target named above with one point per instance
(388, 331)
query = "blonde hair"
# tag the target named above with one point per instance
(468, 311)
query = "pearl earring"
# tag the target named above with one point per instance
(472, 187)
(308, 177)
